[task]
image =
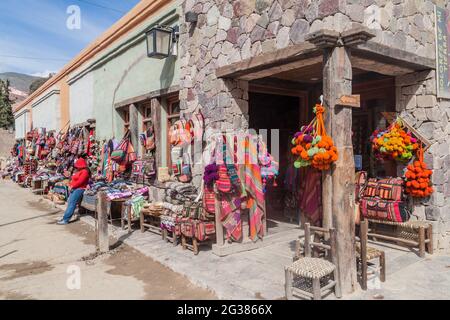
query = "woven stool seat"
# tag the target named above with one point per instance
(372, 252)
(312, 268)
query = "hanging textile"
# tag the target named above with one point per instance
(254, 188)
(312, 196)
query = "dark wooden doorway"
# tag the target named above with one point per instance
(284, 113)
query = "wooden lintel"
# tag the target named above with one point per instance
(268, 60)
(375, 51)
(373, 65)
(147, 96)
(282, 68)
(353, 101)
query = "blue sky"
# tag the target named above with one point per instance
(37, 29)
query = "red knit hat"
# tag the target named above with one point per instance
(80, 164)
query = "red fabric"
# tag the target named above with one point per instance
(80, 164)
(80, 179)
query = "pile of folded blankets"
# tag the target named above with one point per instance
(178, 193)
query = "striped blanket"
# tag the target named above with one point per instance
(254, 188)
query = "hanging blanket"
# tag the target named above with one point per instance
(230, 215)
(312, 196)
(254, 188)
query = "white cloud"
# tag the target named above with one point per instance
(43, 74)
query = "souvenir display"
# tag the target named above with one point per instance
(418, 177)
(394, 143)
(313, 146)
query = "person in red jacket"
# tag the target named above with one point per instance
(78, 185)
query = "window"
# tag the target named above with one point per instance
(173, 114)
(126, 119)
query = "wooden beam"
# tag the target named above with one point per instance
(148, 96)
(396, 57)
(338, 194)
(268, 60)
(369, 64)
(297, 65)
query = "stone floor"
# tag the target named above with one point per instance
(259, 274)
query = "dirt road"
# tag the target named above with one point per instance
(40, 260)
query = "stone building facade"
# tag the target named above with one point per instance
(231, 31)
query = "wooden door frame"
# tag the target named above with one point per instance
(273, 90)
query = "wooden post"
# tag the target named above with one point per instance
(338, 185)
(363, 242)
(219, 227)
(156, 119)
(102, 223)
(134, 128)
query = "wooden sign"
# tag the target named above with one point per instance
(353, 101)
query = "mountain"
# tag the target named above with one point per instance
(19, 81)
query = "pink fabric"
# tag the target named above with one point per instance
(311, 202)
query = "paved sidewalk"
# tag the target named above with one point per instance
(259, 274)
(37, 257)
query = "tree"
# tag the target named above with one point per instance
(6, 114)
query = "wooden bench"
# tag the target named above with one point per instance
(150, 222)
(194, 244)
(412, 233)
(170, 237)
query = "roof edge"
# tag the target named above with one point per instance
(133, 18)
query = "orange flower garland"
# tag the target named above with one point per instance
(313, 146)
(417, 175)
(327, 151)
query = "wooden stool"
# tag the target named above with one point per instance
(153, 223)
(317, 271)
(169, 236)
(366, 253)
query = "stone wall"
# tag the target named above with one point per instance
(418, 105)
(231, 31)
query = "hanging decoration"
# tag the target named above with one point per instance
(312, 144)
(394, 143)
(418, 183)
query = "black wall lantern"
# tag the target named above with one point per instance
(159, 41)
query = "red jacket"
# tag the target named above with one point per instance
(80, 179)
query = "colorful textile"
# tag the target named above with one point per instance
(230, 216)
(254, 188)
(312, 196)
(137, 203)
(388, 210)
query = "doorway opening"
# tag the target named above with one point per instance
(280, 114)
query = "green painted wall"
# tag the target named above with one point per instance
(124, 71)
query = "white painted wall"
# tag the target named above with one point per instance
(82, 99)
(21, 125)
(47, 113)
